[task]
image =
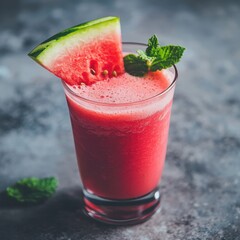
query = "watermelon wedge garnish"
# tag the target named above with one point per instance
(85, 53)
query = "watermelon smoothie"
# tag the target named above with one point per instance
(120, 122)
(120, 128)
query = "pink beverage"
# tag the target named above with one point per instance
(120, 129)
(120, 122)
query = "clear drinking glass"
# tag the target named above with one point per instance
(121, 151)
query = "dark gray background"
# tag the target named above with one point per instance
(201, 178)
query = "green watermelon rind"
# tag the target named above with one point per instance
(46, 52)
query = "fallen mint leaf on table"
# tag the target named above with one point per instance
(155, 58)
(32, 190)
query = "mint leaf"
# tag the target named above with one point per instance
(32, 190)
(155, 58)
(135, 65)
(152, 46)
(145, 57)
(166, 57)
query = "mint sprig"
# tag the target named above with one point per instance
(32, 190)
(154, 58)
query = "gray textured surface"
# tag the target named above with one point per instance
(201, 178)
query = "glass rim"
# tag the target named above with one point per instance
(127, 103)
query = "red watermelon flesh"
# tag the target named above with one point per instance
(89, 62)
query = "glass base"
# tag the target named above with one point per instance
(121, 212)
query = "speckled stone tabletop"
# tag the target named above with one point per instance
(200, 185)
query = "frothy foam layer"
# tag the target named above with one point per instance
(118, 98)
(126, 88)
